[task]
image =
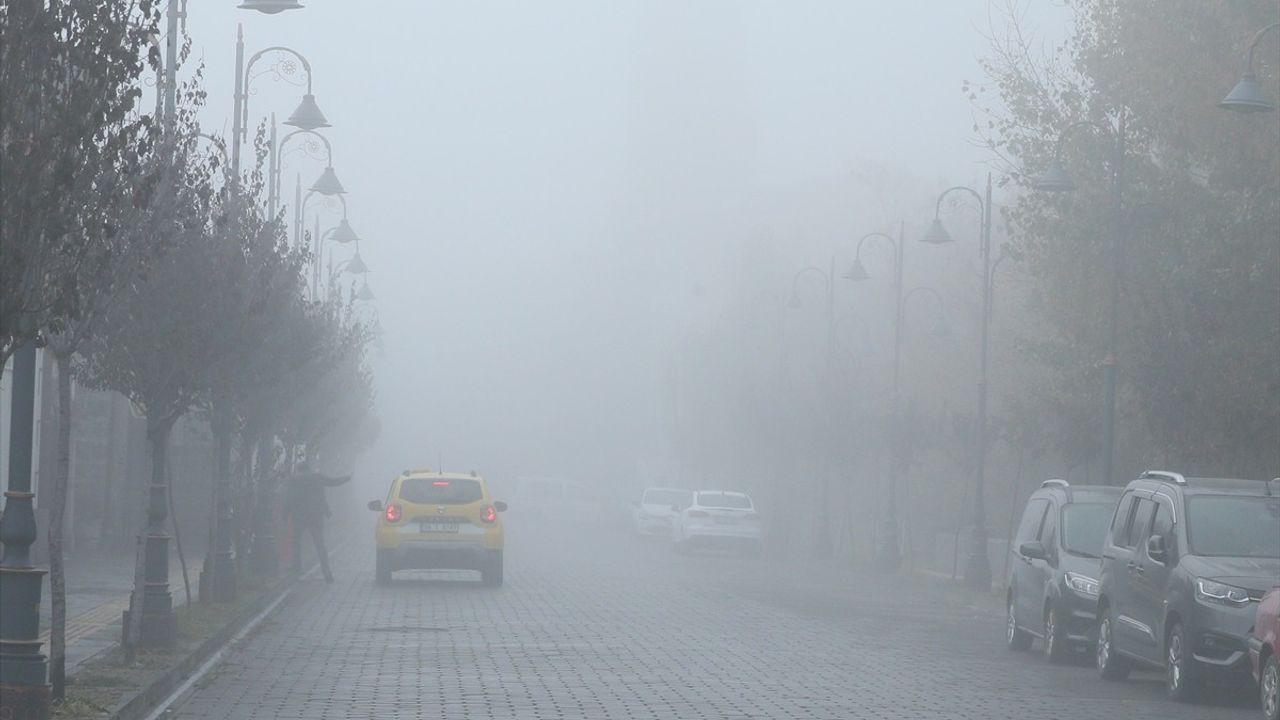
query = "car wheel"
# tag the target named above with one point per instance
(1055, 642)
(1111, 666)
(382, 568)
(1180, 682)
(491, 573)
(1015, 637)
(1269, 689)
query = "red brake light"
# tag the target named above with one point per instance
(489, 514)
(698, 513)
(393, 513)
(440, 483)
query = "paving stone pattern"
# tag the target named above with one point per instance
(619, 628)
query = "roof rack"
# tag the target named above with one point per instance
(1058, 482)
(1173, 477)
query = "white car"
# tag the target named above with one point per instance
(657, 508)
(718, 518)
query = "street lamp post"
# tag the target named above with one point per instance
(978, 567)
(276, 159)
(888, 551)
(1056, 179)
(307, 116)
(24, 691)
(1247, 96)
(341, 232)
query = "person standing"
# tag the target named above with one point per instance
(308, 510)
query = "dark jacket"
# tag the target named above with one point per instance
(305, 495)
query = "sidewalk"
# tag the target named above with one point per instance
(97, 595)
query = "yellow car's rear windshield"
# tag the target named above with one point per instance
(440, 491)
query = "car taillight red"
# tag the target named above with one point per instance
(698, 513)
(393, 513)
(489, 514)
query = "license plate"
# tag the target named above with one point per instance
(726, 521)
(438, 527)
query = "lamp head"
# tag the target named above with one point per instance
(1054, 179)
(364, 293)
(857, 272)
(936, 234)
(270, 7)
(355, 265)
(343, 233)
(1247, 97)
(307, 116)
(327, 183)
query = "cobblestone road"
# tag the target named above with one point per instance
(619, 628)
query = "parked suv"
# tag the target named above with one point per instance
(1184, 564)
(1053, 586)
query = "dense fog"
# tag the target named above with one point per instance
(921, 319)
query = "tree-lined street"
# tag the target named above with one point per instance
(718, 255)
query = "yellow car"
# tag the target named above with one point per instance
(436, 520)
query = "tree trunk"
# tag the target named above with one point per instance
(264, 549)
(246, 492)
(222, 582)
(57, 573)
(177, 533)
(105, 538)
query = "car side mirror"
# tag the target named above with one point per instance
(1156, 548)
(675, 508)
(499, 506)
(375, 505)
(1033, 551)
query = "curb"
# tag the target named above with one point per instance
(145, 701)
(153, 699)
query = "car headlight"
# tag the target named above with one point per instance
(1210, 591)
(1082, 584)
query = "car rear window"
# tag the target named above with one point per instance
(724, 500)
(666, 497)
(1234, 526)
(439, 491)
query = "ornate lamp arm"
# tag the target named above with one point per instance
(248, 70)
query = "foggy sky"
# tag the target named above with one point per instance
(539, 185)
